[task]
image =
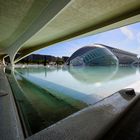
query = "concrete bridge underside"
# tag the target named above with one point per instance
(27, 26)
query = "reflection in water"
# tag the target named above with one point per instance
(87, 80)
(40, 107)
(47, 95)
(102, 74)
(93, 74)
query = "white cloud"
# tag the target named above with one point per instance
(127, 32)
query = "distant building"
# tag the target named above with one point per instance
(124, 57)
(99, 54)
(65, 58)
(44, 59)
(38, 58)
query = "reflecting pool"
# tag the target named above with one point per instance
(46, 95)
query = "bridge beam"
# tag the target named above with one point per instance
(116, 22)
(47, 14)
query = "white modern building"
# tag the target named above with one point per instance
(99, 54)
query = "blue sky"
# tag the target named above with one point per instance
(126, 38)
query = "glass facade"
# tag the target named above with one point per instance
(93, 56)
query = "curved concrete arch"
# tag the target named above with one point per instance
(3, 60)
(110, 26)
(47, 14)
(31, 25)
(121, 19)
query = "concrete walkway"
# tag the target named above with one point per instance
(10, 128)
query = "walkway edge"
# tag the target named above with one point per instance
(90, 123)
(10, 126)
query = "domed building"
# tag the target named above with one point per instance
(101, 55)
(92, 55)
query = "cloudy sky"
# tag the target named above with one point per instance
(126, 38)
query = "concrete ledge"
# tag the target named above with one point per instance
(10, 127)
(92, 122)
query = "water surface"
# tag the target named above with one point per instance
(93, 81)
(46, 95)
